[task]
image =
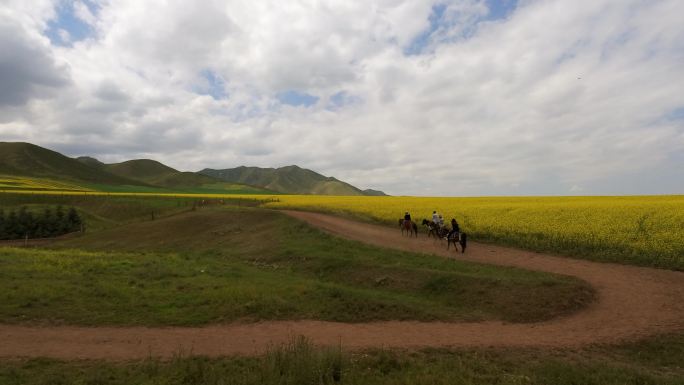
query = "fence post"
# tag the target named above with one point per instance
(26, 240)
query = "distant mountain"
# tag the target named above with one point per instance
(90, 161)
(374, 193)
(154, 173)
(157, 174)
(26, 159)
(144, 170)
(288, 180)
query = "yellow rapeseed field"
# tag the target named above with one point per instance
(643, 230)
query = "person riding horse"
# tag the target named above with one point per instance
(455, 236)
(455, 229)
(408, 225)
(432, 228)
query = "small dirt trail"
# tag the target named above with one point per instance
(632, 302)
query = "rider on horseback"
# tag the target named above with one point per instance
(435, 217)
(407, 216)
(455, 229)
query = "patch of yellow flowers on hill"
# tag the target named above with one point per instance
(10, 183)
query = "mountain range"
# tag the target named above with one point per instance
(29, 160)
(289, 179)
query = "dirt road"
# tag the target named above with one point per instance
(632, 302)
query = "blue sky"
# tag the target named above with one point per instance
(297, 98)
(500, 9)
(67, 20)
(214, 86)
(676, 114)
(496, 10)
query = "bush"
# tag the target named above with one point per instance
(17, 225)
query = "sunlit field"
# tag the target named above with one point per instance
(186, 260)
(645, 230)
(642, 230)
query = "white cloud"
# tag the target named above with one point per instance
(28, 69)
(83, 12)
(557, 95)
(64, 35)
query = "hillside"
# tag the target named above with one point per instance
(158, 174)
(92, 162)
(84, 173)
(144, 170)
(288, 180)
(29, 160)
(374, 193)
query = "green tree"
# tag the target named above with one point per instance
(74, 220)
(3, 224)
(12, 226)
(24, 223)
(62, 227)
(48, 224)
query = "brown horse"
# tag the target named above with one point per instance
(432, 228)
(409, 227)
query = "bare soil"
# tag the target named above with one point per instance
(632, 302)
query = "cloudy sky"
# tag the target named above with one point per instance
(420, 97)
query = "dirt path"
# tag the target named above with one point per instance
(632, 302)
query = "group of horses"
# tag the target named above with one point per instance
(410, 228)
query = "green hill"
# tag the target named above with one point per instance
(142, 170)
(146, 175)
(158, 174)
(29, 160)
(92, 162)
(288, 180)
(374, 193)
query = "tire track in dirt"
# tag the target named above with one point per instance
(633, 302)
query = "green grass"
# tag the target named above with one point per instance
(223, 264)
(100, 212)
(654, 361)
(103, 211)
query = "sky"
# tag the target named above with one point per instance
(414, 97)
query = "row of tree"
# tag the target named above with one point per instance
(48, 223)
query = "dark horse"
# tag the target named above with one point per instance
(461, 238)
(409, 226)
(432, 228)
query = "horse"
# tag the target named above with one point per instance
(431, 227)
(461, 238)
(441, 232)
(409, 226)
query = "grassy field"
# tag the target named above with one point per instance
(13, 184)
(215, 189)
(154, 260)
(646, 231)
(654, 361)
(221, 264)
